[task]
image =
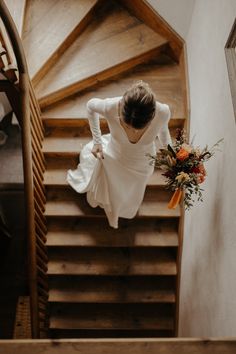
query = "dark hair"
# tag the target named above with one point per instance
(138, 105)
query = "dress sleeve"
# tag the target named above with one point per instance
(96, 107)
(164, 134)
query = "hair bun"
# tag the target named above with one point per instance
(138, 105)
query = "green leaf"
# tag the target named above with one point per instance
(171, 150)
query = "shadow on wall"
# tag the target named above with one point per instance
(201, 299)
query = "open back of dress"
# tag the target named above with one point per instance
(117, 183)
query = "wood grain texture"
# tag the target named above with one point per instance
(69, 203)
(119, 345)
(82, 209)
(79, 127)
(112, 290)
(70, 143)
(57, 177)
(64, 145)
(112, 43)
(109, 333)
(165, 80)
(142, 233)
(146, 13)
(60, 19)
(125, 316)
(17, 11)
(111, 261)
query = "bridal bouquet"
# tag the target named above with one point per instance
(183, 167)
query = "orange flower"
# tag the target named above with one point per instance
(182, 154)
(200, 179)
(202, 173)
(202, 169)
(199, 169)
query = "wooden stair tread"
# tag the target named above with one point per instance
(152, 208)
(108, 316)
(59, 19)
(105, 322)
(107, 45)
(58, 333)
(71, 208)
(57, 177)
(111, 261)
(64, 145)
(150, 233)
(93, 290)
(165, 80)
(17, 11)
(78, 206)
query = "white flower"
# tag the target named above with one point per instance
(197, 152)
(187, 147)
(182, 176)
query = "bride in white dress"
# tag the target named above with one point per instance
(114, 169)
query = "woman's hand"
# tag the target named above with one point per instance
(97, 151)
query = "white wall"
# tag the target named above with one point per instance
(177, 13)
(208, 286)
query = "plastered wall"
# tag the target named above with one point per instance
(177, 13)
(208, 286)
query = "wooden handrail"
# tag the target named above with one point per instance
(29, 117)
(14, 38)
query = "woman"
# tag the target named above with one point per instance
(114, 169)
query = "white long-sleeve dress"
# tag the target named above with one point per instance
(117, 183)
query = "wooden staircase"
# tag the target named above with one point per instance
(104, 282)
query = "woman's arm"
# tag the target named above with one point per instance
(96, 107)
(164, 133)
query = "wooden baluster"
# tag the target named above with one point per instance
(39, 158)
(36, 106)
(43, 282)
(38, 131)
(40, 222)
(37, 170)
(36, 119)
(39, 233)
(40, 201)
(39, 185)
(39, 190)
(42, 264)
(41, 243)
(42, 253)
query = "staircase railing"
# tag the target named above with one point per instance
(34, 167)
